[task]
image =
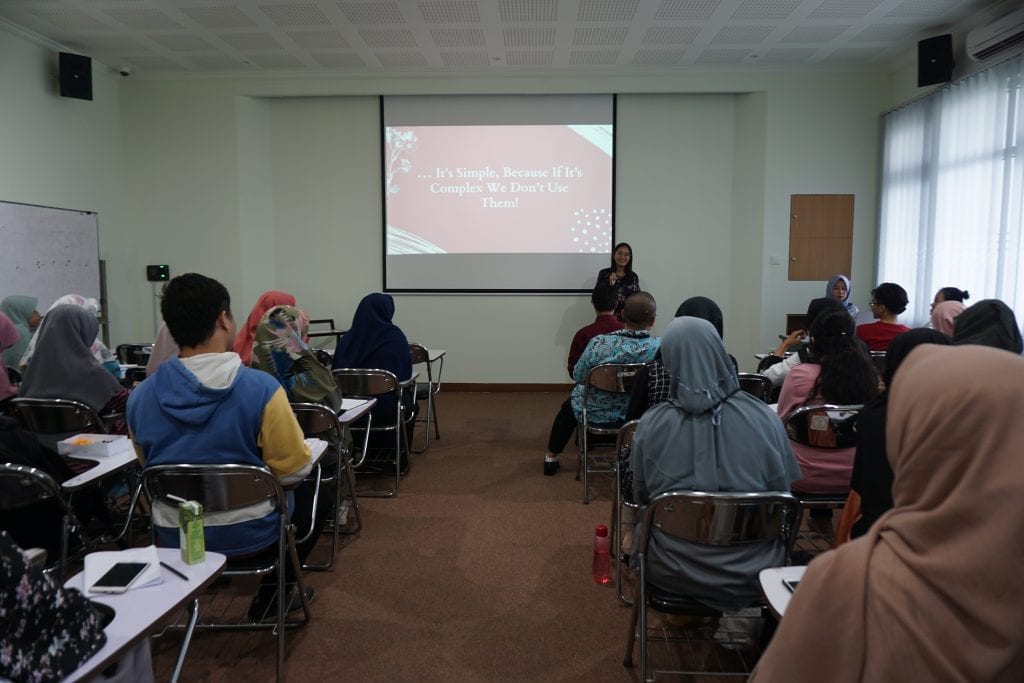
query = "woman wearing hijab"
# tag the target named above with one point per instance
(932, 592)
(838, 373)
(98, 349)
(280, 351)
(943, 316)
(872, 475)
(989, 322)
(247, 335)
(21, 310)
(708, 436)
(620, 275)
(838, 288)
(63, 365)
(8, 337)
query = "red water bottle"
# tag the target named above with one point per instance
(602, 556)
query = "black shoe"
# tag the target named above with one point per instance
(550, 467)
(262, 607)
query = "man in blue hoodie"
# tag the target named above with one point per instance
(205, 407)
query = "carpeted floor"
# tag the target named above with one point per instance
(480, 569)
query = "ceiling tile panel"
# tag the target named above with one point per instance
(465, 58)
(593, 57)
(218, 17)
(142, 18)
(852, 54)
(599, 35)
(451, 12)
(112, 43)
(319, 40)
(722, 56)
(338, 60)
(922, 8)
(686, 10)
(275, 61)
(528, 37)
(372, 12)
(401, 58)
(183, 42)
(607, 10)
(71, 19)
(300, 14)
(814, 34)
(884, 33)
(845, 9)
(659, 57)
(459, 37)
(214, 62)
(733, 35)
(529, 57)
(527, 11)
(387, 38)
(787, 55)
(765, 9)
(250, 41)
(670, 35)
(155, 63)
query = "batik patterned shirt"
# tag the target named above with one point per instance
(624, 346)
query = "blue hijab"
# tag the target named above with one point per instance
(374, 341)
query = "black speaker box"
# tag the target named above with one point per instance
(75, 76)
(935, 60)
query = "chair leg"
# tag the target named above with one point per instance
(627, 661)
(585, 466)
(193, 617)
(433, 407)
(353, 498)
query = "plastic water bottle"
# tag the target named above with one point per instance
(602, 556)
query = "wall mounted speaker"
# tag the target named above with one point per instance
(935, 60)
(75, 76)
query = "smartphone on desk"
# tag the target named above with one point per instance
(120, 577)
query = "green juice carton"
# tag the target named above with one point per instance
(190, 532)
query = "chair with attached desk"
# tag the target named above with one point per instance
(226, 488)
(134, 354)
(757, 385)
(427, 390)
(21, 487)
(614, 378)
(380, 384)
(320, 421)
(623, 446)
(53, 416)
(714, 520)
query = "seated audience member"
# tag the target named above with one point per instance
(64, 365)
(604, 298)
(8, 337)
(634, 344)
(888, 300)
(281, 352)
(99, 350)
(777, 365)
(989, 322)
(838, 288)
(164, 347)
(21, 310)
(943, 316)
(709, 435)
(933, 591)
(950, 294)
(650, 386)
(872, 474)
(839, 373)
(205, 407)
(247, 335)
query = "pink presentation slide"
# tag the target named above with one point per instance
(499, 189)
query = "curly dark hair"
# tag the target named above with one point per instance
(190, 305)
(892, 296)
(847, 374)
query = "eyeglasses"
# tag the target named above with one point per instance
(874, 303)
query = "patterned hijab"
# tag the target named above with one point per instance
(19, 309)
(63, 365)
(247, 335)
(99, 350)
(281, 352)
(933, 590)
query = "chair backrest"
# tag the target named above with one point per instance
(366, 383)
(137, 354)
(21, 486)
(315, 419)
(218, 488)
(57, 416)
(823, 426)
(723, 519)
(625, 436)
(878, 358)
(419, 353)
(614, 377)
(756, 384)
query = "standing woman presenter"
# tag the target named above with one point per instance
(620, 275)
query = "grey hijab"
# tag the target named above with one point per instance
(847, 304)
(63, 365)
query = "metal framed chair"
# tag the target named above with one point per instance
(707, 519)
(878, 359)
(757, 385)
(429, 389)
(65, 416)
(226, 488)
(623, 444)
(320, 421)
(616, 378)
(21, 486)
(327, 333)
(377, 383)
(133, 354)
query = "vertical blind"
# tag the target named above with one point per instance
(952, 195)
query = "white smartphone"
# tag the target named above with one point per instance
(120, 577)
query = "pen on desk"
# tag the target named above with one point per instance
(173, 571)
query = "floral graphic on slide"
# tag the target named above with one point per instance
(399, 142)
(592, 231)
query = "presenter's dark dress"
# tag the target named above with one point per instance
(625, 287)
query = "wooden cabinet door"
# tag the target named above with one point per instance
(820, 235)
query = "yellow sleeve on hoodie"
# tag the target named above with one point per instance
(284, 449)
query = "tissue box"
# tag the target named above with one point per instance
(94, 445)
(190, 532)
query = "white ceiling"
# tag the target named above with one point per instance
(474, 36)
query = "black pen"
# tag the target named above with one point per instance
(173, 571)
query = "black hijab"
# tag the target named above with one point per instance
(705, 309)
(989, 322)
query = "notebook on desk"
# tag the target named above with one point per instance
(350, 403)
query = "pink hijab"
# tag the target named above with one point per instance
(944, 314)
(247, 335)
(933, 591)
(8, 336)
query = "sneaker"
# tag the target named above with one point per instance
(262, 607)
(550, 467)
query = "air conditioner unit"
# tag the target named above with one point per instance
(1002, 34)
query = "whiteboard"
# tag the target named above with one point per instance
(47, 252)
